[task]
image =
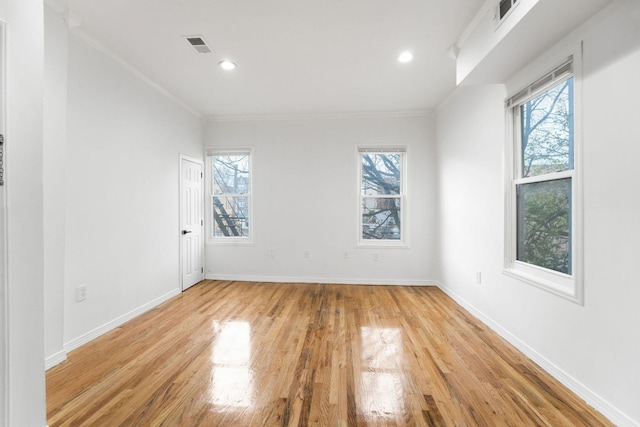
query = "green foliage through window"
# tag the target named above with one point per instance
(544, 224)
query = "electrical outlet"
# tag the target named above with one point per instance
(478, 277)
(346, 255)
(306, 254)
(272, 252)
(375, 257)
(81, 293)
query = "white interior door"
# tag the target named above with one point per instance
(191, 224)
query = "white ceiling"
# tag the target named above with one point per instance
(293, 56)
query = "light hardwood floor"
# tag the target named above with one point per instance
(273, 354)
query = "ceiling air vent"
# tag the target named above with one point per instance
(198, 44)
(504, 8)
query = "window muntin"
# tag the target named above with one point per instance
(230, 195)
(381, 195)
(543, 213)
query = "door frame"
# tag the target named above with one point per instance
(202, 254)
(4, 243)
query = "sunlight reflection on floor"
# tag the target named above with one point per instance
(232, 380)
(381, 356)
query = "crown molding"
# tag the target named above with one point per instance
(56, 6)
(148, 80)
(322, 116)
(487, 6)
(72, 20)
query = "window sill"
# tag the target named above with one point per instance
(382, 245)
(559, 284)
(230, 242)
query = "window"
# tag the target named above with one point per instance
(229, 174)
(543, 197)
(382, 193)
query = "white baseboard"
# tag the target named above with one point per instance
(597, 402)
(55, 359)
(100, 330)
(327, 280)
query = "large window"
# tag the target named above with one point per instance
(382, 194)
(542, 234)
(230, 195)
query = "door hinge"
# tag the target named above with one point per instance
(201, 176)
(1, 159)
(201, 269)
(201, 222)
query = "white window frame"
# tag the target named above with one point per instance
(383, 243)
(209, 154)
(568, 286)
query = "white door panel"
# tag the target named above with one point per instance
(191, 224)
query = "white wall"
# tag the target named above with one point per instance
(54, 167)
(23, 346)
(486, 34)
(304, 186)
(122, 173)
(491, 53)
(592, 348)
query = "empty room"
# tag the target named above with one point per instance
(293, 213)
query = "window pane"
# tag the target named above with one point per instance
(381, 174)
(381, 218)
(231, 174)
(544, 224)
(547, 131)
(230, 216)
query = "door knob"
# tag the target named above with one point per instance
(185, 232)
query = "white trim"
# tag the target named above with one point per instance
(118, 321)
(555, 176)
(559, 74)
(380, 244)
(570, 287)
(564, 287)
(192, 159)
(57, 7)
(4, 245)
(545, 65)
(381, 149)
(403, 242)
(324, 280)
(72, 20)
(55, 359)
(134, 71)
(589, 396)
(221, 150)
(202, 230)
(487, 6)
(333, 116)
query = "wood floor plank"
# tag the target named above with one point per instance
(238, 354)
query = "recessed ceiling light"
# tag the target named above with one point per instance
(405, 56)
(227, 65)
